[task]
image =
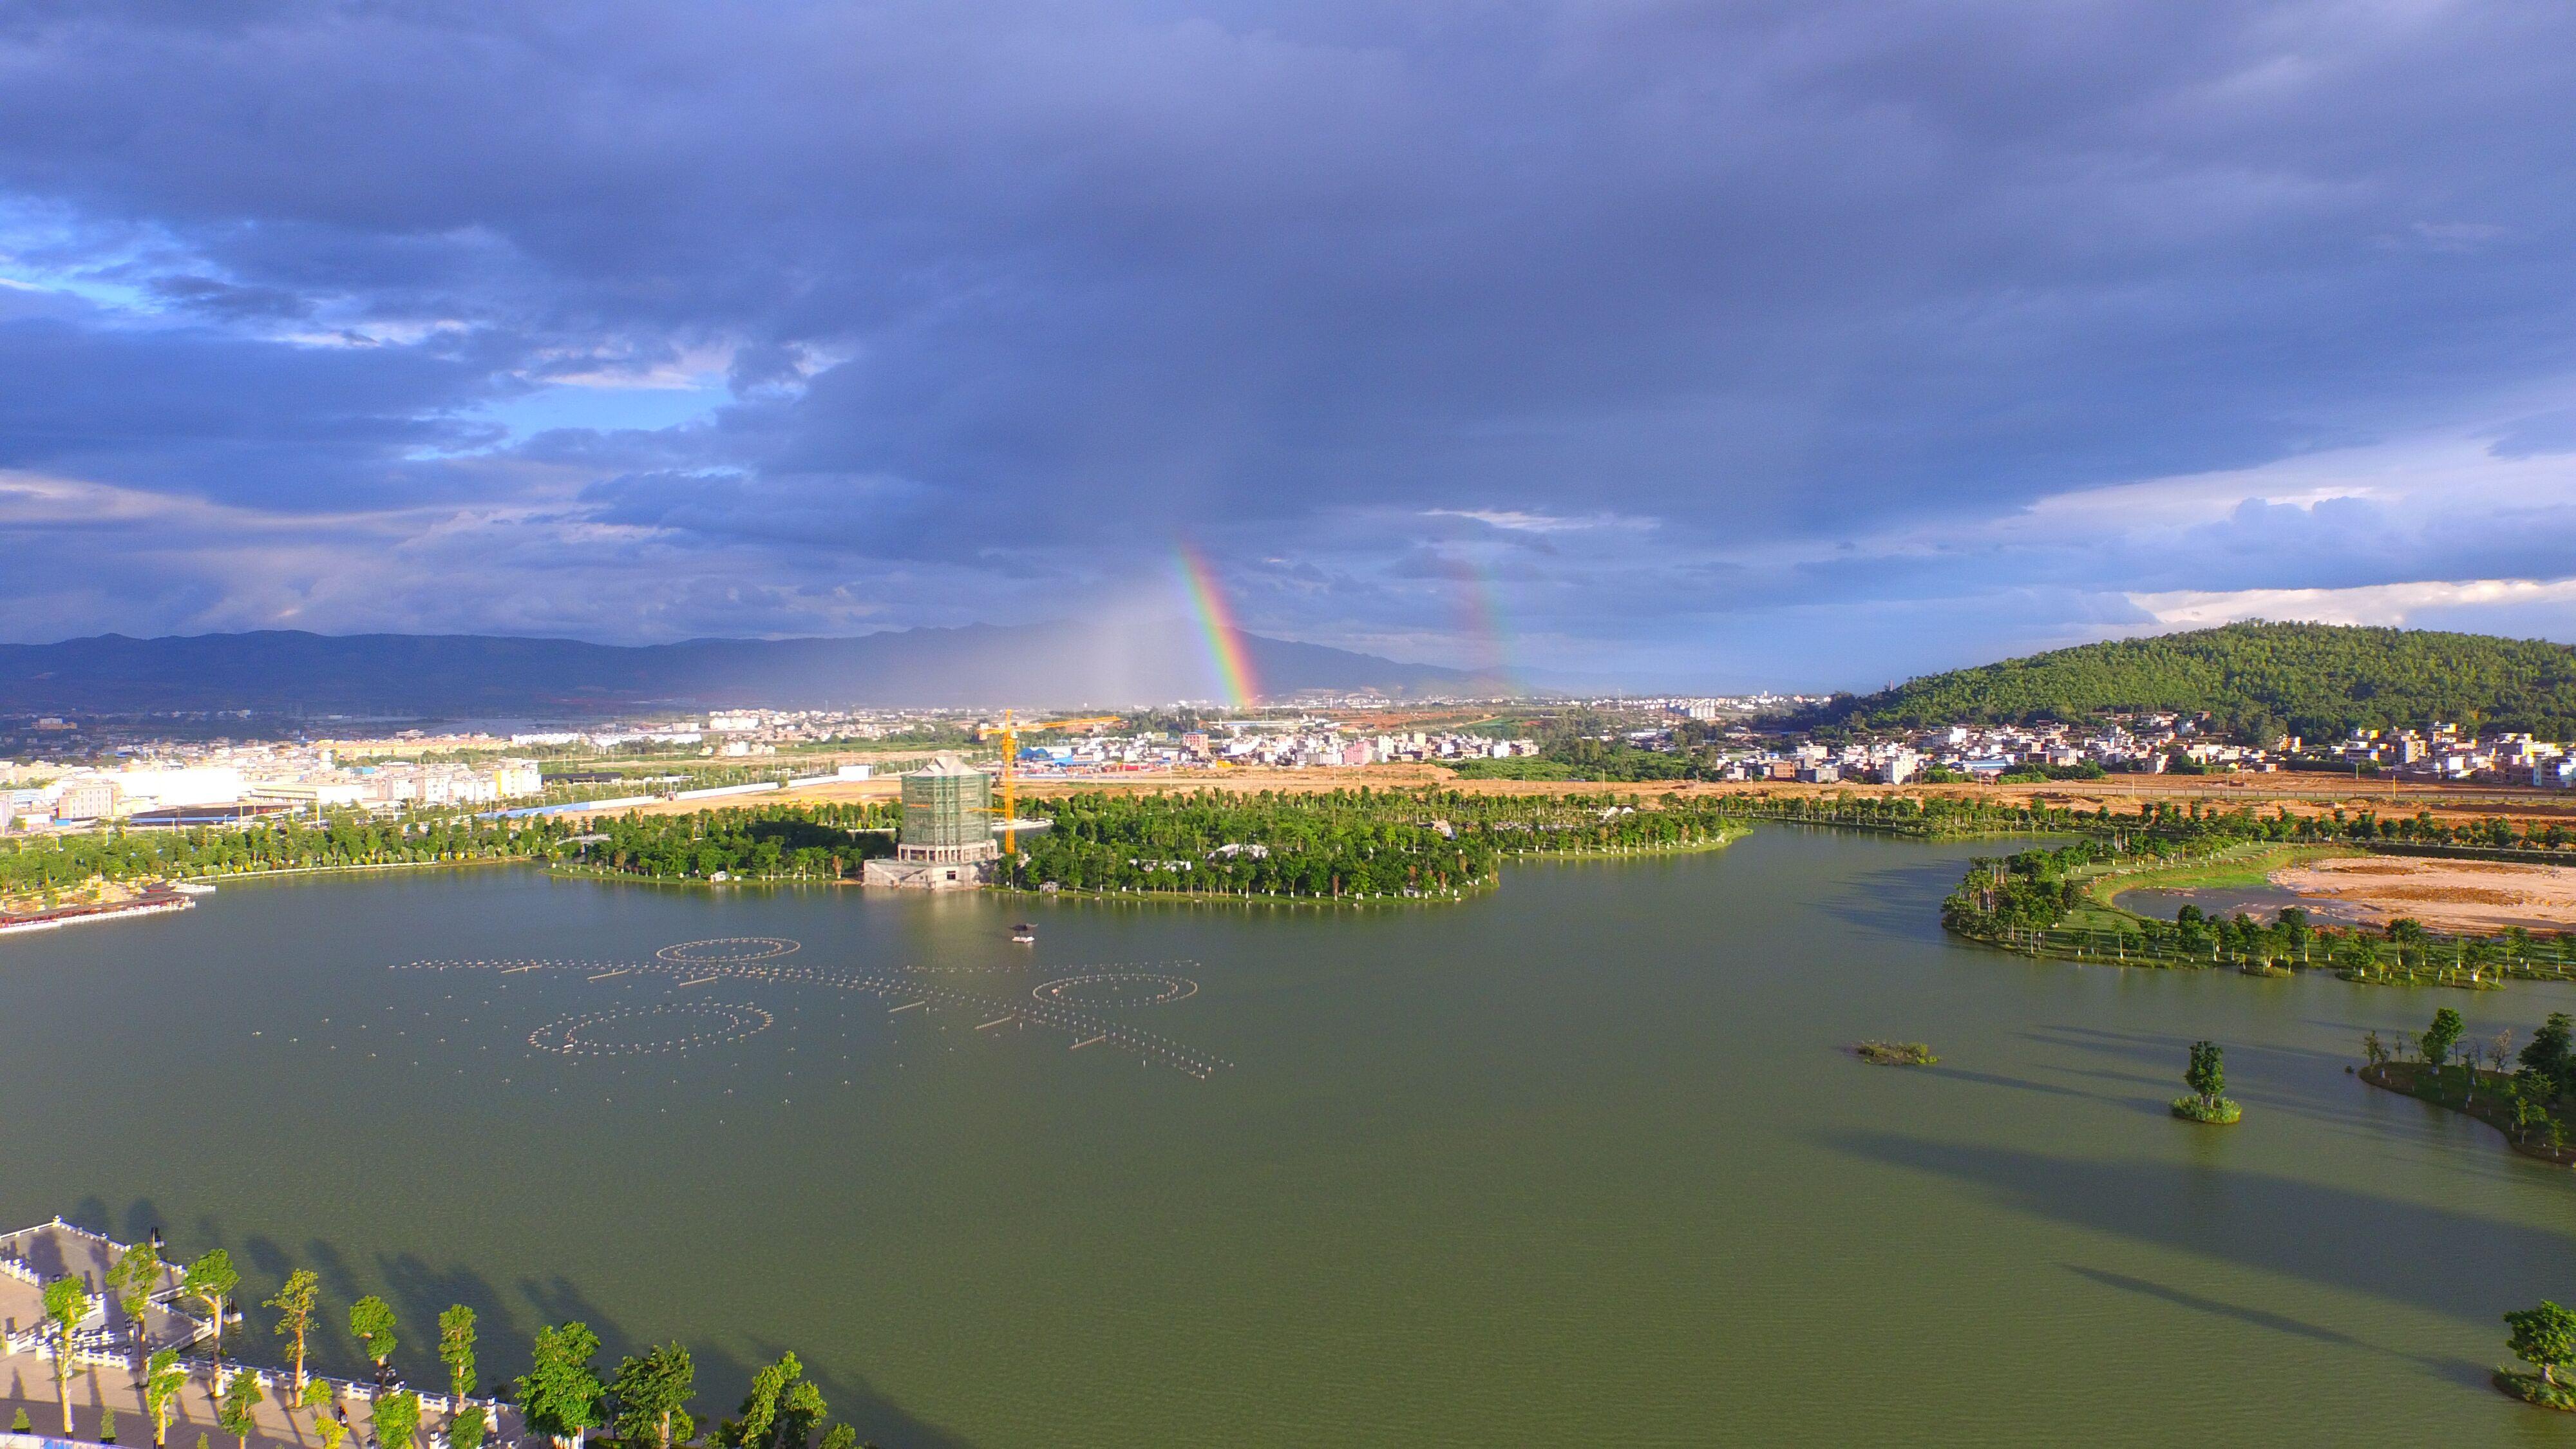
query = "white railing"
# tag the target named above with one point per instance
(359, 1389)
(40, 1441)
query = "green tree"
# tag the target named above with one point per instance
(371, 1322)
(560, 1394)
(107, 1424)
(2440, 1038)
(2526, 1098)
(135, 1277)
(466, 1427)
(2550, 1055)
(239, 1411)
(2207, 1074)
(2543, 1337)
(757, 1421)
(294, 1305)
(66, 1304)
(163, 1378)
(211, 1280)
(456, 1348)
(331, 1431)
(397, 1420)
(18, 1423)
(800, 1410)
(652, 1395)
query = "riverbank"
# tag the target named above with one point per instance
(156, 899)
(2492, 1103)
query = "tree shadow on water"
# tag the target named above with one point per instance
(2457, 1370)
(2018, 1084)
(2435, 1258)
(1898, 901)
(878, 1419)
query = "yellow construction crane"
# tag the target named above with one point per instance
(1010, 786)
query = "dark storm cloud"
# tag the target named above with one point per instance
(1023, 290)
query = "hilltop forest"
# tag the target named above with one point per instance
(2261, 680)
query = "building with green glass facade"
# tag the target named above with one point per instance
(945, 838)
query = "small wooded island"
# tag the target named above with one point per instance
(2207, 1078)
(2545, 1338)
(1895, 1053)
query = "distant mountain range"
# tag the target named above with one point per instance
(2314, 680)
(471, 675)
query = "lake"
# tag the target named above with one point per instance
(1583, 1160)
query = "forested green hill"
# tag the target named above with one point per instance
(2314, 680)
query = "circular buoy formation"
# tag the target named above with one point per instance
(1115, 988)
(672, 1026)
(727, 950)
(686, 1024)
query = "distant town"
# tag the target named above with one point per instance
(73, 774)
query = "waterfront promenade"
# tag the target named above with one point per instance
(105, 1367)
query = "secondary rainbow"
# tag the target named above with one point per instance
(1480, 617)
(1216, 622)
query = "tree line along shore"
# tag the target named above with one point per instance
(1430, 842)
(568, 1395)
(2061, 901)
(1342, 845)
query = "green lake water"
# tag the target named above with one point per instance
(1580, 1161)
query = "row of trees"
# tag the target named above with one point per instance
(1341, 844)
(53, 862)
(2156, 829)
(1933, 817)
(645, 1401)
(813, 842)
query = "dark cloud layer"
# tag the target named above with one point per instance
(1662, 333)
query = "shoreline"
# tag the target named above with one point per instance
(2484, 1108)
(157, 901)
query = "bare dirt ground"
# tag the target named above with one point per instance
(2451, 896)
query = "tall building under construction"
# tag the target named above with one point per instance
(945, 839)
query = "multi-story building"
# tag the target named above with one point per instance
(945, 838)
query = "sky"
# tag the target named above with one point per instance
(1692, 347)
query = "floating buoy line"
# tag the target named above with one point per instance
(680, 1026)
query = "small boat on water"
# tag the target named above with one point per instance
(192, 888)
(1024, 933)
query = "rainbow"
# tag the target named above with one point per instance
(1480, 616)
(1216, 621)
